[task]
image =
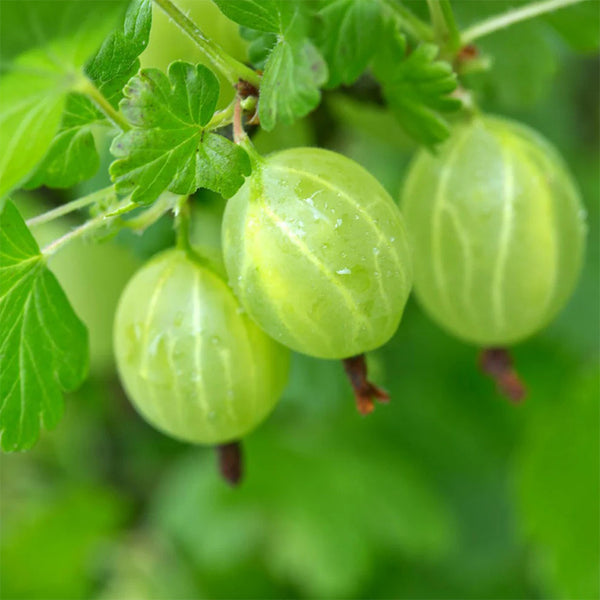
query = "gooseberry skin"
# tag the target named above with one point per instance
(498, 230)
(192, 363)
(317, 253)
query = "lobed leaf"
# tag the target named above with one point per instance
(44, 345)
(294, 72)
(72, 156)
(348, 34)
(417, 88)
(121, 48)
(262, 15)
(169, 147)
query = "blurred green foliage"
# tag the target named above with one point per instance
(448, 492)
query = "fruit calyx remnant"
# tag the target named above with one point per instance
(498, 364)
(365, 392)
(229, 457)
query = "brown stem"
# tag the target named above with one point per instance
(498, 364)
(229, 457)
(365, 392)
(238, 128)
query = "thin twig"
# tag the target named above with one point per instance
(69, 207)
(511, 17)
(95, 223)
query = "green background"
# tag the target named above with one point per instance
(447, 492)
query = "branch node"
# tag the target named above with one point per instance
(497, 364)
(365, 392)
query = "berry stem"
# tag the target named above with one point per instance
(229, 457)
(240, 137)
(232, 69)
(498, 364)
(365, 392)
(183, 224)
(511, 17)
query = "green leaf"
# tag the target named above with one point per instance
(294, 72)
(33, 95)
(44, 346)
(260, 46)
(578, 25)
(558, 485)
(31, 106)
(27, 24)
(121, 49)
(281, 515)
(262, 15)
(348, 34)
(417, 88)
(169, 147)
(72, 157)
(60, 532)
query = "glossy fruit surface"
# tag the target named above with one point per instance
(498, 231)
(191, 362)
(317, 253)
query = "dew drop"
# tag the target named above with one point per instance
(338, 223)
(345, 271)
(376, 251)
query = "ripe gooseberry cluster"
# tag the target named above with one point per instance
(319, 261)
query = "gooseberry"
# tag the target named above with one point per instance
(317, 253)
(191, 362)
(498, 231)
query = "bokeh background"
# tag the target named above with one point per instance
(447, 492)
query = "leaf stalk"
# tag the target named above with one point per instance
(95, 223)
(409, 22)
(232, 69)
(113, 115)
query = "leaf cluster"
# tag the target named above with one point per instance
(70, 75)
(304, 47)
